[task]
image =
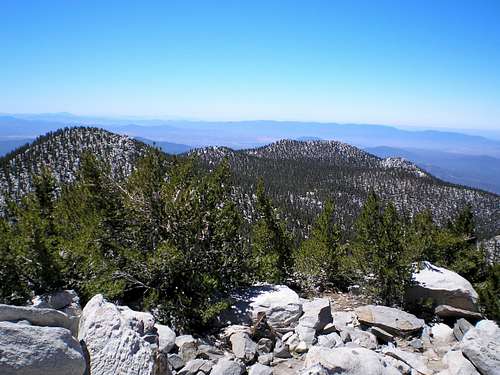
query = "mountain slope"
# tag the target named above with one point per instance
(61, 151)
(301, 175)
(482, 172)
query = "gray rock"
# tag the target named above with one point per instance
(264, 346)
(460, 328)
(381, 334)
(188, 347)
(417, 344)
(445, 311)
(228, 367)
(457, 364)
(442, 338)
(57, 300)
(176, 361)
(362, 338)
(349, 361)
(281, 350)
(315, 370)
(39, 317)
(481, 346)
(329, 328)
(208, 351)
(343, 319)
(280, 304)
(243, 347)
(114, 337)
(259, 369)
(413, 360)
(30, 350)
(392, 320)
(166, 338)
(442, 287)
(195, 366)
(332, 340)
(317, 314)
(265, 359)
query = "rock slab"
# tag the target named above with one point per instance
(30, 350)
(392, 320)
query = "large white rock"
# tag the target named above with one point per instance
(349, 361)
(317, 314)
(442, 287)
(243, 347)
(166, 338)
(30, 350)
(118, 340)
(39, 317)
(481, 346)
(280, 304)
(457, 364)
(392, 320)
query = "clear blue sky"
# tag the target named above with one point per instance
(422, 63)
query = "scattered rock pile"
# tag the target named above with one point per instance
(269, 330)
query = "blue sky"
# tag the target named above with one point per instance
(417, 63)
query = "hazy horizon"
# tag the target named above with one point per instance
(425, 64)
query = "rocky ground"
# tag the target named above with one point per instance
(268, 330)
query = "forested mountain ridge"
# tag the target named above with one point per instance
(60, 152)
(300, 176)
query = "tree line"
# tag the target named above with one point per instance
(171, 239)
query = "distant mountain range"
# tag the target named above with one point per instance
(459, 158)
(299, 176)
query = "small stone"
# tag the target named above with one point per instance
(460, 328)
(301, 347)
(195, 366)
(381, 334)
(259, 369)
(176, 361)
(228, 367)
(264, 346)
(332, 340)
(265, 359)
(281, 350)
(417, 344)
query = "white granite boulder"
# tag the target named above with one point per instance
(481, 346)
(348, 361)
(30, 350)
(317, 314)
(280, 304)
(442, 287)
(118, 340)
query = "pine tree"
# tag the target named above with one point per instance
(271, 243)
(367, 232)
(321, 256)
(392, 265)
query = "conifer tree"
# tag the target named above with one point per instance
(321, 255)
(392, 265)
(367, 232)
(271, 243)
